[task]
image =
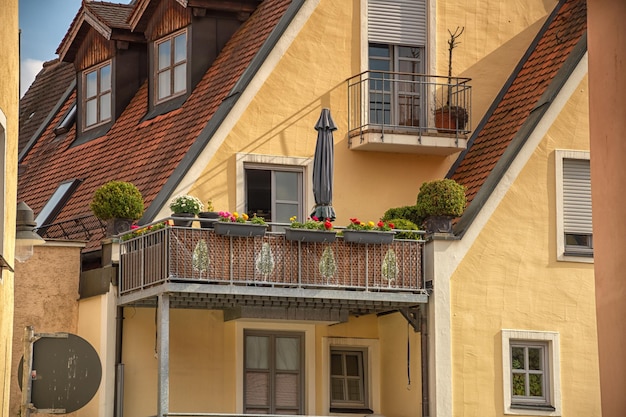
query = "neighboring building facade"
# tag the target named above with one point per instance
(9, 103)
(607, 107)
(219, 101)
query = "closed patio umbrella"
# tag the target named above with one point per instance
(323, 164)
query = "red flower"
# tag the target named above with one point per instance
(314, 218)
(380, 223)
(328, 225)
(355, 220)
(391, 225)
(133, 227)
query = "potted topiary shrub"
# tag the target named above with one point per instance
(438, 202)
(119, 203)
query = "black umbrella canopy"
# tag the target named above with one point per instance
(323, 164)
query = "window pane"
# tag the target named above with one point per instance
(180, 48)
(354, 390)
(534, 359)
(91, 84)
(287, 354)
(352, 365)
(378, 50)
(408, 52)
(180, 78)
(105, 78)
(336, 389)
(379, 65)
(336, 365)
(519, 384)
(536, 385)
(257, 388)
(518, 358)
(90, 113)
(164, 51)
(257, 352)
(287, 185)
(284, 212)
(164, 84)
(105, 107)
(287, 390)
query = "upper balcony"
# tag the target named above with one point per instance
(270, 276)
(408, 113)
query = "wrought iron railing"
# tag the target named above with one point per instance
(175, 254)
(79, 228)
(417, 104)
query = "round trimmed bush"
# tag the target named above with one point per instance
(117, 199)
(441, 198)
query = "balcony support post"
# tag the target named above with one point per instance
(163, 347)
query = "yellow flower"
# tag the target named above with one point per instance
(245, 216)
(370, 223)
(235, 215)
(293, 218)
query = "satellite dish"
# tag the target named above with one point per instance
(66, 373)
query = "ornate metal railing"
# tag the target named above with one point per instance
(413, 103)
(186, 254)
(79, 228)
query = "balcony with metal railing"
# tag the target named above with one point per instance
(408, 113)
(323, 281)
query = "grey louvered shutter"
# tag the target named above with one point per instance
(397, 22)
(576, 196)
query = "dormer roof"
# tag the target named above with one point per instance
(150, 153)
(108, 19)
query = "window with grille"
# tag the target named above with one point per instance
(348, 382)
(171, 66)
(273, 372)
(530, 363)
(97, 95)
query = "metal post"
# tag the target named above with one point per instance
(163, 327)
(29, 337)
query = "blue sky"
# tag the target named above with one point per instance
(43, 24)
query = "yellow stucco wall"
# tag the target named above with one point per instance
(311, 74)
(510, 279)
(9, 98)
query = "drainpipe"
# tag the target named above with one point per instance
(424, 357)
(118, 397)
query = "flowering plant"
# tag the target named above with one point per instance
(312, 223)
(137, 231)
(381, 226)
(186, 204)
(235, 217)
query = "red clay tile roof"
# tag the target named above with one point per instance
(114, 15)
(142, 152)
(42, 97)
(536, 74)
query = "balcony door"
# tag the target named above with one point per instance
(274, 193)
(273, 372)
(397, 85)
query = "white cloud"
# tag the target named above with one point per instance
(28, 71)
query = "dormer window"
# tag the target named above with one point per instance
(171, 66)
(97, 95)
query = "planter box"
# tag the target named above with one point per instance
(308, 235)
(239, 229)
(183, 222)
(210, 217)
(370, 236)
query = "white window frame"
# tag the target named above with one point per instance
(274, 162)
(99, 93)
(560, 155)
(170, 67)
(552, 370)
(372, 383)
